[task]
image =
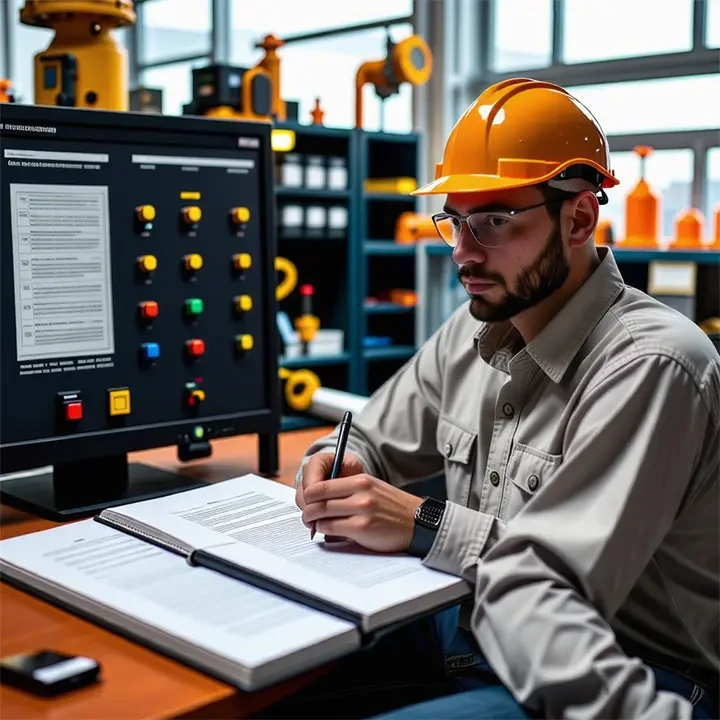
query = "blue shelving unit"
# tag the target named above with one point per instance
(347, 271)
(384, 264)
(323, 255)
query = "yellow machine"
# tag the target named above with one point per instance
(84, 65)
(407, 61)
(239, 93)
(271, 63)
(300, 386)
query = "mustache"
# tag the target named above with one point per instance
(472, 270)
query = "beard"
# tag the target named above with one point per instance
(535, 283)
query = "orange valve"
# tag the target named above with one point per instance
(145, 213)
(642, 209)
(688, 230)
(715, 245)
(195, 348)
(149, 309)
(240, 215)
(317, 113)
(148, 263)
(193, 262)
(243, 303)
(192, 214)
(242, 261)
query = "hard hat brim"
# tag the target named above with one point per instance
(468, 183)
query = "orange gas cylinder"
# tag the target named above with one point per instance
(604, 233)
(642, 209)
(688, 230)
(411, 227)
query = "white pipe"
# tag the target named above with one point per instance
(332, 404)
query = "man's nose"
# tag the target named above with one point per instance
(468, 249)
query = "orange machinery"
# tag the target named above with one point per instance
(240, 93)
(410, 60)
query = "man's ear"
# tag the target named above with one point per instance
(583, 213)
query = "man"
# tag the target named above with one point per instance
(576, 421)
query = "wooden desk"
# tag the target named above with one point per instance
(138, 683)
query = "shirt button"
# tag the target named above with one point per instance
(508, 410)
(494, 478)
(533, 482)
(448, 449)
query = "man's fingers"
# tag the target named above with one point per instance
(348, 527)
(337, 488)
(341, 507)
(318, 468)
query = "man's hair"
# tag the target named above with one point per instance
(551, 192)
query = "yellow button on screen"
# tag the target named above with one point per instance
(242, 261)
(119, 402)
(245, 342)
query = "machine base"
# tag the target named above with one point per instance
(82, 489)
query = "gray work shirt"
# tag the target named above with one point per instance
(582, 471)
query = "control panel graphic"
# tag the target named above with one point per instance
(140, 256)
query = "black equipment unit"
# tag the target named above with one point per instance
(137, 265)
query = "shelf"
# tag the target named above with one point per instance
(314, 360)
(387, 308)
(375, 136)
(624, 255)
(705, 257)
(387, 247)
(311, 193)
(389, 353)
(299, 422)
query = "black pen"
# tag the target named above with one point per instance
(337, 464)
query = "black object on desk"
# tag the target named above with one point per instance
(48, 673)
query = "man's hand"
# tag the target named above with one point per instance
(372, 513)
(317, 469)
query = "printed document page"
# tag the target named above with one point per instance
(254, 523)
(202, 609)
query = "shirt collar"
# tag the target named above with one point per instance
(560, 340)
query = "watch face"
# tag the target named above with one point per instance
(430, 513)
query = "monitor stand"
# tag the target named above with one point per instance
(83, 488)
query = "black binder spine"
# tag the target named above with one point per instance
(205, 559)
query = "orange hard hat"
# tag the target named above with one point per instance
(522, 132)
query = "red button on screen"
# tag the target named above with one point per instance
(73, 411)
(149, 309)
(196, 347)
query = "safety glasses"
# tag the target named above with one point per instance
(489, 229)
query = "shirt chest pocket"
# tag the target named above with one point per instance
(528, 471)
(457, 446)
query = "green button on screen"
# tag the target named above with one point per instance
(194, 306)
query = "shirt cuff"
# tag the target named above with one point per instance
(460, 541)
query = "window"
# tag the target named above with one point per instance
(522, 32)
(684, 103)
(290, 17)
(326, 68)
(176, 83)
(625, 28)
(669, 174)
(712, 190)
(712, 23)
(174, 28)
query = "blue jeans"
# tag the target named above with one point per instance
(427, 670)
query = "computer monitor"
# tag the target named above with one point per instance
(138, 286)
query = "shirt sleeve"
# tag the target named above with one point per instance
(394, 435)
(558, 571)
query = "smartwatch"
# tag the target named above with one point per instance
(427, 522)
